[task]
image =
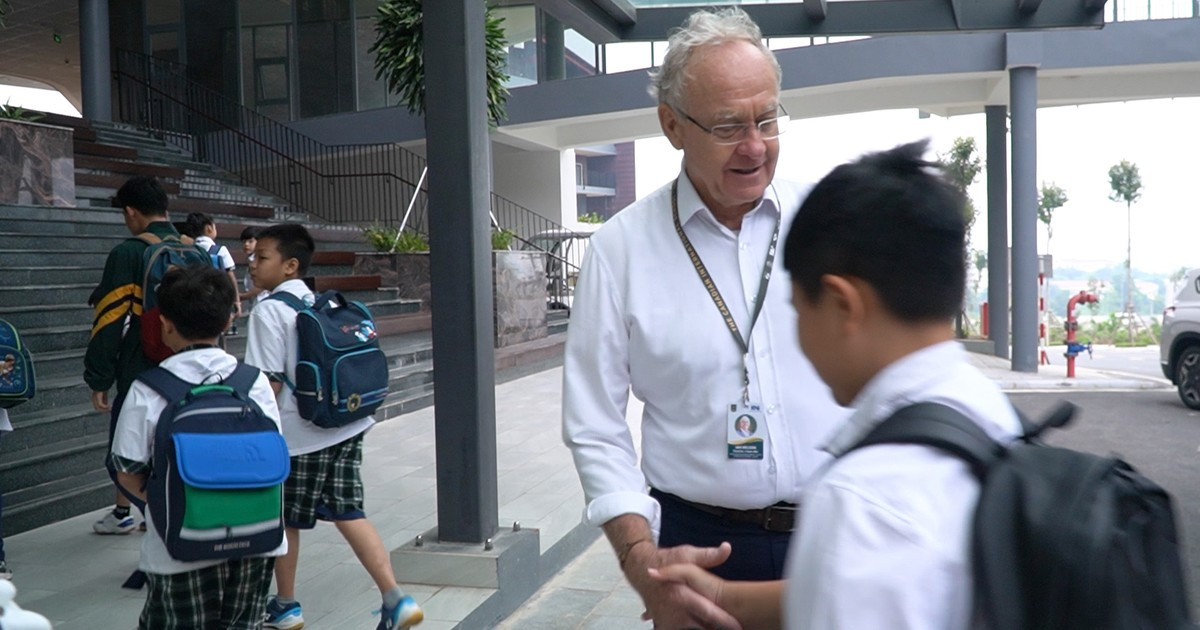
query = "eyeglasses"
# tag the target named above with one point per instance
(734, 133)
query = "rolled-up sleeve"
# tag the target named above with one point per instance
(595, 395)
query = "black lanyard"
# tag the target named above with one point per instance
(715, 294)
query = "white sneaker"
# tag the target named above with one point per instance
(110, 524)
(5, 572)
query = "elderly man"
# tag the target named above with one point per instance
(678, 301)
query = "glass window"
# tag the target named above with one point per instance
(520, 31)
(372, 93)
(623, 56)
(266, 70)
(255, 12)
(581, 54)
(165, 46)
(325, 58)
(162, 12)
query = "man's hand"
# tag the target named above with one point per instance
(672, 604)
(100, 401)
(702, 582)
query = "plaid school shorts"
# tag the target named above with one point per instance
(326, 485)
(227, 596)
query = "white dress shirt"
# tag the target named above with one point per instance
(205, 243)
(884, 537)
(272, 346)
(642, 320)
(133, 438)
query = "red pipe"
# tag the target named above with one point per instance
(1072, 325)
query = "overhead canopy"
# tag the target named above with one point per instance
(606, 21)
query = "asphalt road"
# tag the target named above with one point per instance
(1141, 362)
(1151, 430)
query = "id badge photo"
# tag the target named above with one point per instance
(746, 431)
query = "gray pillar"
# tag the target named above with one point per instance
(1023, 103)
(95, 73)
(456, 131)
(997, 226)
(552, 54)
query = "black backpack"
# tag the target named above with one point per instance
(1061, 539)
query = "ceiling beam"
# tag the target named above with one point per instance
(606, 21)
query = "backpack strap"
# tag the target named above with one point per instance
(242, 379)
(148, 238)
(165, 383)
(940, 427)
(287, 298)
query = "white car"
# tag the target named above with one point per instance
(1179, 350)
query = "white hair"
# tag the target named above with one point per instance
(703, 28)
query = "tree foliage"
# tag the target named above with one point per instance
(1050, 198)
(962, 165)
(1126, 182)
(399, 56)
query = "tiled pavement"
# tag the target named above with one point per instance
(72, 576)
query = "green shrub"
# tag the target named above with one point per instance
(395, 240)
(591, 217)
(502, 239)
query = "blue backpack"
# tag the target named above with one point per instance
(214, 255)
(216, 481)
(17, 382)
(161, 256)
(341, 373)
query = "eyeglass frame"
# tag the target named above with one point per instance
(784, 116)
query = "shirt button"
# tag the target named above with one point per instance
(762, 354)
(770, 408)
(744, 246)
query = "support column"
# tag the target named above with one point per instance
(95, 72)
(997, 226)
(552, 51)
(1023, 103)
(459, 155)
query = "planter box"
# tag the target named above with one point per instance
(409, 273)
(518, 286)
(37, 164)
(519, 293)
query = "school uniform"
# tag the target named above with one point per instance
(202, 594)
(884, 539)
(325, 481)
(223, 255)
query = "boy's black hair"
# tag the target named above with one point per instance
(195, 223)
(891, 219)
(143, 194)
(197, 299)
(249, 232)
(293, 241)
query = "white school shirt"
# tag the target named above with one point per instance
(134, 438)
(204, 242)
(884, 537)
(643, 321)
(271, 346)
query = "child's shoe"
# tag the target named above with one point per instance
(281, 617)
(406, 614)
(5, 572)
(112, 524)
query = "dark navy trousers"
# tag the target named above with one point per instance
(757, 553)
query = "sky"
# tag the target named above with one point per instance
(1076, 147)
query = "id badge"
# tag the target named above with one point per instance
(747, 431)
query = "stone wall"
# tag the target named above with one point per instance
(37, 164)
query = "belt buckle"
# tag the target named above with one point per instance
(779, 518)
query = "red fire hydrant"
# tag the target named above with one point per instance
(1074, 348)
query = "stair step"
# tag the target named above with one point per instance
(104, 150)
(127, 168)
(41, 464)
(22, 276)
(68, 242)
(53, 229)
(39, 427)
(56, 338)
(39, 257)
(116, 181)
(57, 500)
(28, 316)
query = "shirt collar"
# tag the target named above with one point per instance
(897, 385)
(690, 202)
(295, 286)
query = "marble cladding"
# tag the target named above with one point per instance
(520, 296)
(519, 286)
(37, 164)
(409, 273)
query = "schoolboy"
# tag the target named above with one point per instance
(325, 482)
(114, 352)
(195, 303)
(249, 292)
(203, 231)
(877, 260)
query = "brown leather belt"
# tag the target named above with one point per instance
(779, 518)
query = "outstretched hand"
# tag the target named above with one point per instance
(671, 603)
